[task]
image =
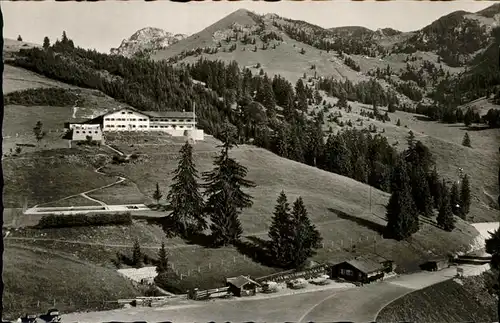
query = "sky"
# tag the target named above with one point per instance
(103, 25)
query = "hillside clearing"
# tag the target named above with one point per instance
(32, 275)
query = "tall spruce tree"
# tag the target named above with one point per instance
(454, 198)
(162, 266)
(465, 197)
(225, 199)
(224, 216)
(435, 187)
(281, 233)
(137, 257)
(421, 191)
(306, 237)
(185, 200)
(402, 216)
(445, 216)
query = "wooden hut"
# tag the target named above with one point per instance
(364, 269)
(242, 286)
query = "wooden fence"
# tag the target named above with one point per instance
(292, 274)
(208, 293)
(153, 300)
(278, 278)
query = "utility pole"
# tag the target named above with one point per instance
(370, 199)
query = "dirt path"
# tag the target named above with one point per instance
(92, 199)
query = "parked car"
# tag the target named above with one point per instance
(298, 283)
(52, 316)
(321, 280)
(28, 318)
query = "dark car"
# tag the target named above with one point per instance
(29, 318)
(52, 316)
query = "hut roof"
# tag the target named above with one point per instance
(240, 281)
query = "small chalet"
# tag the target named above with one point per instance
(363, 269)
(242, 286)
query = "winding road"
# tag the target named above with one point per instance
(358, 304)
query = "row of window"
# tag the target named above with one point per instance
(123, 112)
(173, 120)
(169, 127)
(85, 132)
(143, 119)
(140, 126)
(123, 119)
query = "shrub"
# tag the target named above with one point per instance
(84, 220)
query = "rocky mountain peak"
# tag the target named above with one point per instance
(146, 39)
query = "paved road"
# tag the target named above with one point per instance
(356, 304)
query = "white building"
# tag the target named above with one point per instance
(177, 124)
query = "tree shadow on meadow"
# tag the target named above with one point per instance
(377, 227)
(256, 249)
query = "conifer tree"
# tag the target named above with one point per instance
(466, 141)
(465, 196)
(157, 195)
(185, 200)
(398, 123)
(224, 216)
(137, 257)
(411, 140)
(421, 192)
(300, 92)
(445, 216)
(46, 42)
(435, 187)
(306, 237)
(19, 38)
(223, 189)
(162, 266)
(402, 216)
(454, 198)
(227, 170)
(281, 232)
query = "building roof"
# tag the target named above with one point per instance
(367, 263)
(366, 266)
(168, 114)
(241, 281)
